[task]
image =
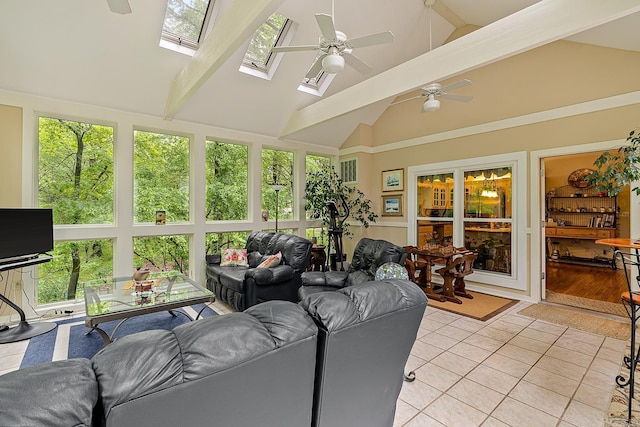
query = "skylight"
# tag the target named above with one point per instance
(184, 24)
(259, 60)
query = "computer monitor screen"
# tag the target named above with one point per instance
(25, 232)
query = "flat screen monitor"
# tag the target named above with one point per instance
(25, 232)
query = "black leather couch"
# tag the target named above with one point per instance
(336, 359)
(243, 287)
(368, 255)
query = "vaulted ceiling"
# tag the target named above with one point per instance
(78, 50)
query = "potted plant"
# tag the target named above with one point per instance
(615, 170)
(325, 185)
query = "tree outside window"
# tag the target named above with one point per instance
(277, 168)
(161, 176)
(226, 181)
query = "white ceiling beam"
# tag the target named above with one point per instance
(539, 24)
(448, 14)
(235, 27)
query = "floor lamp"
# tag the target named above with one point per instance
(277, 188)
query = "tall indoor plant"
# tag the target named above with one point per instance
(615, 170)
(325, 185)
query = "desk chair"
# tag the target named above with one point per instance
(631, 303)
(416, 266)
(454, 273)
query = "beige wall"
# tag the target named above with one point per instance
(10, 195)
(11, 158)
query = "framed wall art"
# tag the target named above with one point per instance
(393, 180)
(392, 205)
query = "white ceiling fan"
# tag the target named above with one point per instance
(119, 6)
(335, 48)
(436, 90)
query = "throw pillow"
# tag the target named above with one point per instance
(234, 257)
(272, 261)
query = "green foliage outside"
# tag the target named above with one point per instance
(226, 181)
(80, 261)
(277, 168)
(162, 253)
(216, 241)
(161, 176)
(75, 171)
(184, 18)
(264, 39)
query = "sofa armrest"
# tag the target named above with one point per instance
(271, 275)
(335, 279)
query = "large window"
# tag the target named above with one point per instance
(277, 168)
(226, 181)
(162, 253)
(161, 177)
(73, 263)
(75, 180)
(476, 203)
(75, 171)
(488, 212)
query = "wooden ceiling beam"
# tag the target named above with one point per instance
(233, 29)
(537, 25)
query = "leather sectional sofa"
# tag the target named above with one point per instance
(245, 286)
(335, 359)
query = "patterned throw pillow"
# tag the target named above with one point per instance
(272, 261)
(234, 257)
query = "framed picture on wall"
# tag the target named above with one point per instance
(392, 205)
(393, 180)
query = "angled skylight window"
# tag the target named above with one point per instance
(185, 23)
(259, 60)
(318, 84)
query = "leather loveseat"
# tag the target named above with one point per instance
(335, 359)
(368, 255)
(245, 286)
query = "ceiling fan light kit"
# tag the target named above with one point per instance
(333, 63)
(431, 104)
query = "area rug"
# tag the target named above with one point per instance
(574, 319)
(616, 309)
(69, 339)
(481, 307)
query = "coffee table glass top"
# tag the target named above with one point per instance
(112, 296)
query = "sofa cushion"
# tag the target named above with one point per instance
(230, 277)
(271, 261)
(234, 257)
(61, 393)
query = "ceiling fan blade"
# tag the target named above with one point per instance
(316, 67)
(294, 48)
(371, 39)
(356, 63)
(463, 98)
(455, 85)
(119, 6)
(408, 99)
(325, 22)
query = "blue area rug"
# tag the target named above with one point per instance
(69, 341)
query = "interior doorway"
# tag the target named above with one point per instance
(578, 271)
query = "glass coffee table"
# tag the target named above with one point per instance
(122, 298)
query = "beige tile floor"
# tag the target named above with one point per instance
(509, 371)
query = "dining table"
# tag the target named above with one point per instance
(436, 254)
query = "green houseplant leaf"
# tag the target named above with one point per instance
(615, 170)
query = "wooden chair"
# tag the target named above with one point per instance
(416, 266)
(454, 273)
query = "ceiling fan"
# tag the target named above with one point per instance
(335, 48)
(119, 6)
(436, 90)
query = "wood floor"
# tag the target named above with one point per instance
(598, 283)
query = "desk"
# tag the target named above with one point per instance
(446, 256)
